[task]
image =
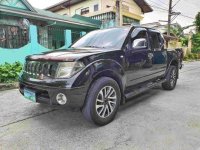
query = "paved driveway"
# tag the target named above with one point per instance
(156, 120)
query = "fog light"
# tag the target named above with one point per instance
(61, 99)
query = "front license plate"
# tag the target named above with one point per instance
(30, 95)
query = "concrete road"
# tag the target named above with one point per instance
(155, 120)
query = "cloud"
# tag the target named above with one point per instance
(187, 8)
(41, 4)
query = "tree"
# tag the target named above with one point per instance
(177, 31)
(197, 22)
(184, 40)
(196, 37)
(196, 43)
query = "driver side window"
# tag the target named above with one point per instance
(140, 40)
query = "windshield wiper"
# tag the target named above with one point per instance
(94, 46)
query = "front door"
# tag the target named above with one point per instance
(139, 58)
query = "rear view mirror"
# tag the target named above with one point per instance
(139, 43)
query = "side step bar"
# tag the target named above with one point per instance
(143, 88)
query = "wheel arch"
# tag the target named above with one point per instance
(106, 68)
(113, 75)
(173, 62)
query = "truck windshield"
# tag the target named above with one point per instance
(107, 38)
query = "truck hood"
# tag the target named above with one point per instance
(67, 55)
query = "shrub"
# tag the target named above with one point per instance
(196, 43)
(10, 72)
(195, 51)
(185, 58)
(190, 56)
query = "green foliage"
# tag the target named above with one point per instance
(196, 37)
(197, 22)
(184, 40)
(192, 56)
(10, 72)
(177, 30)
(186, 58)
(196, 43)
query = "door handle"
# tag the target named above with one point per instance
(150, 55)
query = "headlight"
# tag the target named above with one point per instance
(68, 69)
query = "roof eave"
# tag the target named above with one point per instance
(36, 15)
(71, 2)
(146, 8)
(29, 5)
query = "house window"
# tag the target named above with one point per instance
(51, 37)
(96, 7)
(85, 11)
(128, 20)
(13, 36)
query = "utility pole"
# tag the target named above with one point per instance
(117, 18)
(169, 20)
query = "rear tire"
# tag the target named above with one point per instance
(102, 101)
(172, 77)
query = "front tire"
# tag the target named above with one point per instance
(171, 78)
(102, 101)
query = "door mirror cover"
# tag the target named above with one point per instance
(139, 43)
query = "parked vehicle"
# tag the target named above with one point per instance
(101, 71)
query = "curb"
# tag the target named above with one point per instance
(8, 86)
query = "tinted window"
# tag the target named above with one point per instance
(108, 38)
(156, 41)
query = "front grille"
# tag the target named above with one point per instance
(35, 69)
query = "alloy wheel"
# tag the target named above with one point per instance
(106, 101)
(173, 77)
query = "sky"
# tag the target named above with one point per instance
(188, 8)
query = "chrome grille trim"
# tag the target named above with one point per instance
(35, 68)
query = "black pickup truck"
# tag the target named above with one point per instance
(101, 71)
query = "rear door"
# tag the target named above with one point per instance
(159, 53)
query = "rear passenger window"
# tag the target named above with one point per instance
(156, 41)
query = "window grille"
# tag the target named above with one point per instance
(85, 11)
(51, 37)
(13, 36)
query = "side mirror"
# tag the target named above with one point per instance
(139, 43)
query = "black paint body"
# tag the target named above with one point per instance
(129, 67)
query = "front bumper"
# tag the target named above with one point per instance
(47, 94)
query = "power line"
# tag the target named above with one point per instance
(176, 3)
(156, 3)
(187, 16)
(162, 2)
(159, 7)
(165, 10)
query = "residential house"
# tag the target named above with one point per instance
(131, 11)
(25, 30)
